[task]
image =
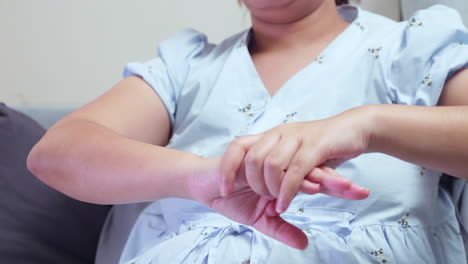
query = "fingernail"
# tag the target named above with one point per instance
(280, 208)
(223, 190)
(363, 189)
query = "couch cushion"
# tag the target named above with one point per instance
(37, 223)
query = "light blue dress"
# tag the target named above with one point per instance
(214, 94)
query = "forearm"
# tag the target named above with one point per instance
(433, 137)
(91, 163)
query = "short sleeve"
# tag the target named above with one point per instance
(167, 72)
(432, 46)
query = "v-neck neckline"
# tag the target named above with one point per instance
(244, 45)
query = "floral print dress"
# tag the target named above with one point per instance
(213, 94)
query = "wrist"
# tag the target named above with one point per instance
(203, 180)
(365, 118)
(375, 124)
(184, 170)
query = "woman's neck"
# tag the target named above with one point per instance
(322, 24)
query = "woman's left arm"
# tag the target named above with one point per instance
(434, 137)
(277, 161)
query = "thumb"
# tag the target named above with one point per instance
(272, 225)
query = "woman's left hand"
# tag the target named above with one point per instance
(292, 157)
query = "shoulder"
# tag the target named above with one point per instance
(439, 23)
(415, 56)
(436, 17)
(190, 43)
(431, 36)
(430, 33)
(433, 25)
(177, 51)
(190, 48)
(427, 32)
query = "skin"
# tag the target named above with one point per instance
(111, 150)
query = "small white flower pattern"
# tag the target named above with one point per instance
(380, 255)
(375, 52)
(299, 211)
(422, 171)
(319, 59)
(360, 26)
(289, 117)
(427, 80)
(414, 22)
(189, 227)
(404, 221)
(247, 110)
(242, 43)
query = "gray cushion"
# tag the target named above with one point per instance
(39, 224)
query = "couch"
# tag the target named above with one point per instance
(39, 224)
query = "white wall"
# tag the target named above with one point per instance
(67, 52)
(410, 6)
(70, 51)
(389, 8)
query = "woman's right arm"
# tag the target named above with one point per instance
(111, 150)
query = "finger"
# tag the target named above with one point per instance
(277, 161)
(254, 160)
(323, 175)
(343, 185)
(333, 184)
(302, 163)
(329, 178)
(310, 188)
(355, 192)
(232, 161)
(272, 225)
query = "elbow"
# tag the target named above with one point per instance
(33, 161)
(42, 162)
(46, 161)
(47, 155)
(38, 160)
(49, 161)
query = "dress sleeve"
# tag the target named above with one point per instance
(431, 48)
(167, 72)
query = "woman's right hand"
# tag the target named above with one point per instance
(245, 206)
